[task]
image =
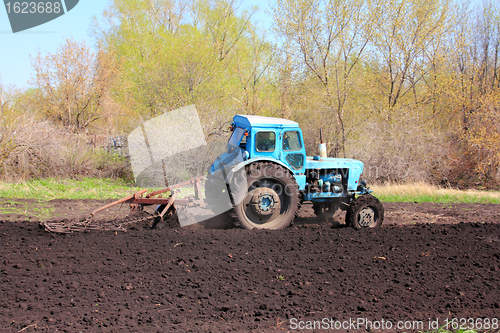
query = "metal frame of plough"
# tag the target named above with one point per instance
(137, 201)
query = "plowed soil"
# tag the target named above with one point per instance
(427, 262)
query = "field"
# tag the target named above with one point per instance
(410, 88)
(430, 261)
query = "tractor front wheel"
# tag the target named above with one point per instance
(365, 211)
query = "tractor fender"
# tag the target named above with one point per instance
(241, 165)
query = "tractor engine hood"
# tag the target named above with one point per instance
(333, 163)
(355, 167)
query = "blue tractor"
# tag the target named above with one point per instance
(265, 175)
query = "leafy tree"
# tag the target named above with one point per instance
(476, 88)
(328, 38)
(72, 84)
(405, 36)
(177, 53)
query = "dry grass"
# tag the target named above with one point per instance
(31, 149)
(422, 192)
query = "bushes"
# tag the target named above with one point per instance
(404, 152)
(37, 149)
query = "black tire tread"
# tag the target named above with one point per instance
(257, 167)
(360, 202)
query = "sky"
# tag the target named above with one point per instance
(16, 49)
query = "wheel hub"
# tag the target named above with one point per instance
(367, 217)
(264, 202)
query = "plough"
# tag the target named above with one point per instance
(166, 207)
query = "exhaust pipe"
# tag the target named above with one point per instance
(322, 145)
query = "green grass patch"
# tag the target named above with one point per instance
(102, 189)
(49, 189)
(27, 209)
(86, 188)
(428, 193)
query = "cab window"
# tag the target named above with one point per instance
(295, 160)
(265, 141)
(291, 141)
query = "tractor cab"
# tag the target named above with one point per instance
(269, 138)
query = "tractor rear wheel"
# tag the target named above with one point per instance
(270, 200)
(365, 211)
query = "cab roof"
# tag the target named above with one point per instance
(249, 121)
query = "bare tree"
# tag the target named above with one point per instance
(328, 38)
(405, 35)
(72, 84)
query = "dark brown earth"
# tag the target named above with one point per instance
(427, 261)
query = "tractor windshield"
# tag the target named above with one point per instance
(234, 140)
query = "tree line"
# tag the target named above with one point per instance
(410, 87)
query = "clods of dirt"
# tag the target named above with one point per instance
(206, 280)
(395, 213)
